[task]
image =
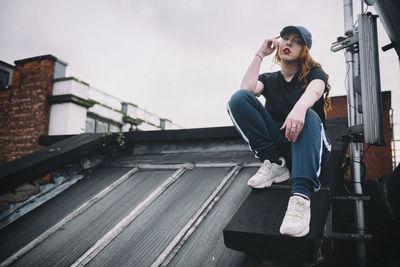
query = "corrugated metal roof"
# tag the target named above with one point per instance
(166, 200)
(208, 178)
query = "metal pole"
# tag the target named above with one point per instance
(354, 119)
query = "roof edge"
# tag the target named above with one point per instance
(47, 159)
(5, 64)
(38, 58)
(223, 132)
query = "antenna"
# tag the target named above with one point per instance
(370, 80)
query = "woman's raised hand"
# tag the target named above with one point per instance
(268, 47)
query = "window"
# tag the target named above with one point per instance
(4, 77)
(101, 126)
(96, 124)
(90, 125)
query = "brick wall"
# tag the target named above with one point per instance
(378, 159)
(4, 106)
(24, 111)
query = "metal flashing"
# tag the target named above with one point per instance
(221, 133)
(38, 58)
(69, 79)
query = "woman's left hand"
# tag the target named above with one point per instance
(294, 123)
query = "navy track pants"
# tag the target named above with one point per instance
(305, 157)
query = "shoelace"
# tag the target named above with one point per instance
(296, 208)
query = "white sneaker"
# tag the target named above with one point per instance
(269, 173)
(297, 218)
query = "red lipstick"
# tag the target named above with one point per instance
(286, 50)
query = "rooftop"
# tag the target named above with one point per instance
(165, 198)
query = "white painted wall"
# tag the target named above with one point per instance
(67, 118)
(105, 98)
(132, 111)
(146, 127)
(71, 87)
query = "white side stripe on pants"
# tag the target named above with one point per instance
(328, 146)
(240, 130)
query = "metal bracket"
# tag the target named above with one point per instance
(355, 133)
(388, 46)
(344, 42)
(355, 129)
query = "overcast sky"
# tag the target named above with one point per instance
(178, 59)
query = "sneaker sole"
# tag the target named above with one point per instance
(277, 179)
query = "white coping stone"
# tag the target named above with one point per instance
(71, 87)
(105, 99)
(67, 118)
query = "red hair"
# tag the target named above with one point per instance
(306, 64)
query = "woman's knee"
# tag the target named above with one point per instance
(312, 120)
(312, 116)
(239, 97)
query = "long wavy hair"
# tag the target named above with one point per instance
(306, 64)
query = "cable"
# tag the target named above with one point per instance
(347, 77)
(376, 174)
(345, 167)
(365, 152)
(366, 10)
(363, 12)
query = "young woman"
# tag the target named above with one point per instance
(290, 126)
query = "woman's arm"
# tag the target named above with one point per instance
(250, 80)
(296, 117)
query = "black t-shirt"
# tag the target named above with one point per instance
(281, 95)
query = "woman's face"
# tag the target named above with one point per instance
(290, 47)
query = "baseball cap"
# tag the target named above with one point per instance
(305, 34)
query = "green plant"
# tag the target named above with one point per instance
(114, 142)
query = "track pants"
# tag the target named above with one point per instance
(305, 157)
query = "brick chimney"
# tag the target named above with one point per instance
(24, 109)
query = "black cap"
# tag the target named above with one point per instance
(305, 34)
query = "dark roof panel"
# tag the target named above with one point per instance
(178, 191)
(77, 236)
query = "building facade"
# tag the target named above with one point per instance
(37, 99)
